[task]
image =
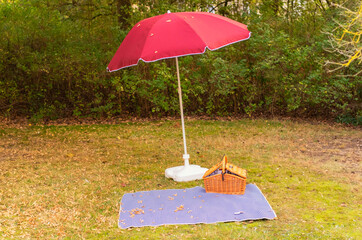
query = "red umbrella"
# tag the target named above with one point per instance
(172, 35)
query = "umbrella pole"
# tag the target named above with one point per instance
(187, 172)
(185, 156)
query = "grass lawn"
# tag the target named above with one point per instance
(67, 181)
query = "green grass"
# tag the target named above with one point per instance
(67, 181)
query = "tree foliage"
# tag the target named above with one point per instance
(53, 58)
(348, 43)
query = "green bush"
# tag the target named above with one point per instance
(53, 58)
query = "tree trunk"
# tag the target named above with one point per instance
(123, 12)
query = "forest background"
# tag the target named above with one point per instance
(53, 58)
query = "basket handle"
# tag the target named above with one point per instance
(224, 161)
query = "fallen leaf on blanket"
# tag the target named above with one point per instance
(184, 190)
(158, 196)
(181, 207)
(136, 211)
(160, 208)
(141, 220)
(170, 198)
(191, 216)
(175, 194)
(139, 201)
(189, 211)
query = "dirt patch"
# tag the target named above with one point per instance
(341, 151)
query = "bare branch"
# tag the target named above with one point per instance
(348, 43)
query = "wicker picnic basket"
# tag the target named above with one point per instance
(225, 178)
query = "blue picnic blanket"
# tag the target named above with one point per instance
(192, 206)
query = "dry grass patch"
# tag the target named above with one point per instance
(67, 181)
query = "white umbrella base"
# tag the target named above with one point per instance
(185, 173)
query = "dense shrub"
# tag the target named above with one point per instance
(53, 59)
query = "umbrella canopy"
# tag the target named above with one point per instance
(172, 35)
(176, 34)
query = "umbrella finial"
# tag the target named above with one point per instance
(168, 11)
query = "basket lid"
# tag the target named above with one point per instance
(230, 167)
(215, 167)
(236, 170)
